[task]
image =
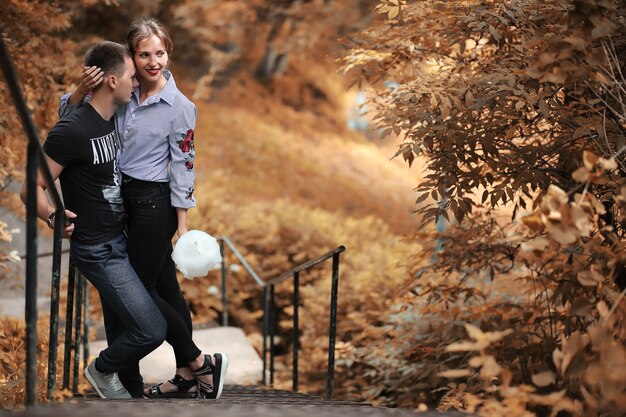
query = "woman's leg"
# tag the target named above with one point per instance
(150, 227)
(168, 289)
(151, 224)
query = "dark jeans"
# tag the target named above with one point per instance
(151, 224)
(141, 327)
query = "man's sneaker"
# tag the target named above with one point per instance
(107, 385)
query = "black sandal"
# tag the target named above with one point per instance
(212, 391)
(183, 386)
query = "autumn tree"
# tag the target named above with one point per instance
(512, 107)
(29, 29)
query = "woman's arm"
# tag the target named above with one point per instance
(181, 213)
(182, 155)
(89, 79)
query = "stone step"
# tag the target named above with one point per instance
(236, 401)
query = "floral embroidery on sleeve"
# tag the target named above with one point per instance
(187, 147)
(189, 195)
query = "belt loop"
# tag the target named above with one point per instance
(164, 187)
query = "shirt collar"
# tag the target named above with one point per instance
(168, 94)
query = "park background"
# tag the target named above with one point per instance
(507, 123)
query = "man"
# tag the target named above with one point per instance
(80, 150)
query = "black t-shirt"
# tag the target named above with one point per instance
(85, 145)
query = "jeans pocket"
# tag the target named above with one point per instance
(142, 211)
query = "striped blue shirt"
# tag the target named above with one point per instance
(156, 135)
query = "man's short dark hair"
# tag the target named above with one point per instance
(109, 56)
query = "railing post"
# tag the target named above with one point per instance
(224, 293)
(31, 223)
(80, 285)
(333, 327)
(31, 277)
(86, 327)
(53, 339)
(69, 313)
(296, 328)
(266, 304)
(272, 330)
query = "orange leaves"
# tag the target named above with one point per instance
(537, 245)
(408, 156)
(487, 364)
(543, 379)
(556, 215)
(561, 57)
(479, 110)
(456, 373)
(482, 340)
(594, 169)
(602, 25)
(489, 368)
(565, 221)
(571, 347)
(590, 277)
(360, 57)
(527, 126)
(391, 7)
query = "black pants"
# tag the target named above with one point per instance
(150, 226)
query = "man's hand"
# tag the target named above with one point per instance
(68, 226)
(90, 79)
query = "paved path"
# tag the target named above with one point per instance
(236, 401)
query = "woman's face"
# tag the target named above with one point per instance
(150, 59)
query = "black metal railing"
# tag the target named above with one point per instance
(35, 160)
(226, 241)
(76, 324)
(269, 311)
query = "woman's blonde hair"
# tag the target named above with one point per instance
(143, 29)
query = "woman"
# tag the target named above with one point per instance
(156, 132)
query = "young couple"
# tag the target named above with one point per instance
(124, 158)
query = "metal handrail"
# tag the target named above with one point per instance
(295, 272)
(224, 240)
(306, 265)
(269, 310)
(35, 159)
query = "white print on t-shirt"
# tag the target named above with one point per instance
(113, 194)
(103, 148)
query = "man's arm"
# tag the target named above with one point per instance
(44, 209)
